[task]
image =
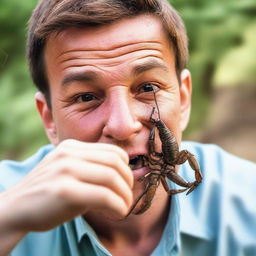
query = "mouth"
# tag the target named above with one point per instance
(136, 162)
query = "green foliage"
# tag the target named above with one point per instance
(20, 128)
(238, 66)
(222, 41)
(218, 38)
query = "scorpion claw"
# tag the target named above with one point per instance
(176, 191)
(194, 185)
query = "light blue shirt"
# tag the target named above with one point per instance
(218, 218)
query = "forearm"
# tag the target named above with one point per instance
(9, 234)
(8, 240)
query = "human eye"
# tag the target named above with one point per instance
(83, 101)
(85, 98)
(148, 88)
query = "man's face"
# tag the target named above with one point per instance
(101, 82)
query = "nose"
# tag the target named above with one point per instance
(121, 120)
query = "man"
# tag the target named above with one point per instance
(97, 64)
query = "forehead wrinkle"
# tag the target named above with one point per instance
(73, 62)
(108, 53)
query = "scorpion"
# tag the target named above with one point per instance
(162, 166)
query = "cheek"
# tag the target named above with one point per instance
(171, 115)
(84, 128)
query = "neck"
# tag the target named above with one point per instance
(134, 229)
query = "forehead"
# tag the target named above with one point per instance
(109, 49)
(128, 31)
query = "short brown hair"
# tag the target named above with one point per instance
(52, 16)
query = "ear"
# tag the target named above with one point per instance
(185, 97)
(46, 116)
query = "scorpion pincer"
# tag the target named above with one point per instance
(162, 166)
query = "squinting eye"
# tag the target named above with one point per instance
(148, 87)
(86, 97)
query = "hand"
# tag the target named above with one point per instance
(74, 178)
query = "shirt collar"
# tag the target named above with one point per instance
(84, 229)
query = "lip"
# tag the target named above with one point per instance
(138, 173)
(141, 150)
(131, 155)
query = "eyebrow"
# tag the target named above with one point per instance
(148, 65)
(84, 76)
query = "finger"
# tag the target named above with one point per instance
(101, 156)
(96, 146)
(90, 196)
(108, 159)
(100, 175)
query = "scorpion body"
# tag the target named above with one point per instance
(162, 166)
(170, 147)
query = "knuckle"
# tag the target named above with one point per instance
(64, 192)
(114, 147)
(61, 152)
(113, 156)
(119, 152)
(63, 167)
(61, 190)
(67, 142)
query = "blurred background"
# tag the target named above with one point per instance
(222, 42)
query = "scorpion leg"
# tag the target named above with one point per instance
(171, 191)
(186, 155)
(137, 200)
(173, 176)
(148, 193)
